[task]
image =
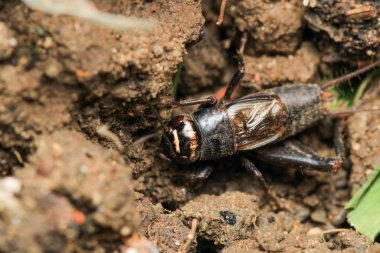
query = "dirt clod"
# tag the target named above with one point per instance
(77, 193)
(318, 216)
(207, 209)
(7, 42)
(345, 29)
(267, 71)
(264, 21)
(204, 66)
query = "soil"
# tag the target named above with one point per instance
(82, 172)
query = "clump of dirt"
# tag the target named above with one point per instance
(216, 227)
(345, 29)
(65, 71)
(205, 65)
(83, 147)
(274, 26)
(162, 227)
(346, 242)
(155, 174)
(267, 71)
(73, 194)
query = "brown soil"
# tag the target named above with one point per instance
(79, 175)
(364, 140)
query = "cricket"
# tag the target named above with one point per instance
(262, 123)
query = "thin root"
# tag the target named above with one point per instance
(348, 112)
(333, 231)
(221, 12)
(336, 230)
(185, 247)
(103, 131)
(243, 42)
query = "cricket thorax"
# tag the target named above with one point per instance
(216, 135)
(257, 120)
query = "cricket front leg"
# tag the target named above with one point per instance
(194, 173)
(238, 76)
(250, 167)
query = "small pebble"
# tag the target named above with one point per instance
(355, 146)
(53, 69)
(337, 217)
(203, 227)
(303, 214)
(10, 185)
(318, 216)
(13, 42)
(7, 42)
(48, 42)
(370, 52)
(157, 50)
(361, 247)
(313, 3)
(315, 231)
(341, 183)
(125, 231)
(311, 201)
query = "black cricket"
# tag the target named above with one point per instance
(262, 123)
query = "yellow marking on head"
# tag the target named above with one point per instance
(176, 141)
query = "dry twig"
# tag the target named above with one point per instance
(104, 132)
(144, 139)
(221, 12)
(185, 247)
(336, 230)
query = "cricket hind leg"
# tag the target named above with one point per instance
(339, 143)
(291, 153)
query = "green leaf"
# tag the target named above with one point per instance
(350, 95)
(364, 207)
(176, 80)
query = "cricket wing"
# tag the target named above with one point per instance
(257, 120)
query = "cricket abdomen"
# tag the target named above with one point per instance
(304, 105)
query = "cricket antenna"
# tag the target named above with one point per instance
(348, 112)
(164, 127)
(350, 75)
